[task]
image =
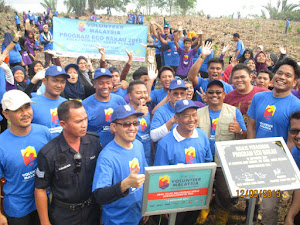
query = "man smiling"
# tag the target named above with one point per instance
(100, 106)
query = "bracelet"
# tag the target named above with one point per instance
(15, 42)
(202, 56)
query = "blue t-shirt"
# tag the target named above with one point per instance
(240, 46)
(204, 82)
(45, 113)
(46, 45)
(190, 150)
(143, 135)
(30, 16)
(158, 95)
(156, 42)
(114, 164)
(174, 54)
(17, 19)
(55, 13)
(271, 114)
(18, 160)
(162, 115)
(14, 54)
(99, 115)
(296, 155)
(121, 92)
(2, 84)
(214, 116)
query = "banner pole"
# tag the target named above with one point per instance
(250, 212)
(172, 219)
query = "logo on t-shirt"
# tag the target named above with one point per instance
(108, 113)
(164, 182)
(190, 154)
(214, 123)
(54, 116)
(185, 57)
(143, 124)
(269, 111)
(29, 155)
(134, 164)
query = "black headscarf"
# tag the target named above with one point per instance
(74, 91)
(8, 38)
(31, 72)
(20, 85)
(242, 58)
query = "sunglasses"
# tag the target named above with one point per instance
(127, 124)
(213, 92)
(77, 159)
(294, 131)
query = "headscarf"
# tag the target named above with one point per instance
(84, 75)
(32, 40)
(260, 66)
(31, 72)
(242, 58)
(74, 91)
(20, 85)
(8, 38)
(46, 35)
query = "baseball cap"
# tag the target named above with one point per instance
(124, 111)
(54, 71)
(176, 83)
(166, 26)
(112, 68)
(215, 82)
(102, 72)
(14, 99)
(184, 104)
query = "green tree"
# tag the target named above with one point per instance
(116, 4)
(185, 5)
(76, 6)
(49, 4)
(281, 11)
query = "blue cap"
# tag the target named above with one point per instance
(54, 71)
(102, 72)
(72, 65)
(215, 82)
(184, 104)
(176, 83)
(166, 26)
(124, 111)
(113, 68)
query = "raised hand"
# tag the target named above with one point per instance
(206, 49)
(225, 48)
(129, 53)
(142, 44)
(202, 95)
(234, 126)
(234, 61)
(136, 180)
(282, 50)
(3, 56)
(151, 56)
(152, 72)
(17, 35)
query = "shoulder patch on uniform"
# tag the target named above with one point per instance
(40, 174)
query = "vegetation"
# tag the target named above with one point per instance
(49, 4)
(283, 10)
(298, 30)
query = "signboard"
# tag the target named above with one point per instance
(177, 188)
(73, 38)
(258, 167)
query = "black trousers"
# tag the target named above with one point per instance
(31, 219)
(89, 215)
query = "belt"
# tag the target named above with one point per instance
(74, 206)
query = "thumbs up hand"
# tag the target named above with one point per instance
(234, 126)
(136, 180)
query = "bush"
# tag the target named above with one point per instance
(257, 26)
(281, 25)
(290, 28)
(298, 30)
(148, 18)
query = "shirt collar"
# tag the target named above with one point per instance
(179, 138)
(65, 146)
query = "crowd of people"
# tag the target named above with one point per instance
(79, 138)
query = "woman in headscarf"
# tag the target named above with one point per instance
(260, 61)
(73, 88)
(31, 45)
(19, 76)
(47, 41)
(24, 51)
(248, 54)
(85, 75)
(15, 57)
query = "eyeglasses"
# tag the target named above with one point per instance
(77, 159)
(294, 131)
(127, 124)
(213, 92)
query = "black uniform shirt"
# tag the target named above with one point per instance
(56, 168)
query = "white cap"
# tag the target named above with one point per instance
(14, 99)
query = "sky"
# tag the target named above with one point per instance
(215, 8)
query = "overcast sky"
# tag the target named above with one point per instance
(212, 7)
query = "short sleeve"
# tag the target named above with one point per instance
(157, 120)
(251, 110)
(103, 174)
(44, 174)
(240, 119)
(1, 162)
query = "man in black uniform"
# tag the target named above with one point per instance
(66, 165)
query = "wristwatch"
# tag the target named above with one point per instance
(201, 56)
